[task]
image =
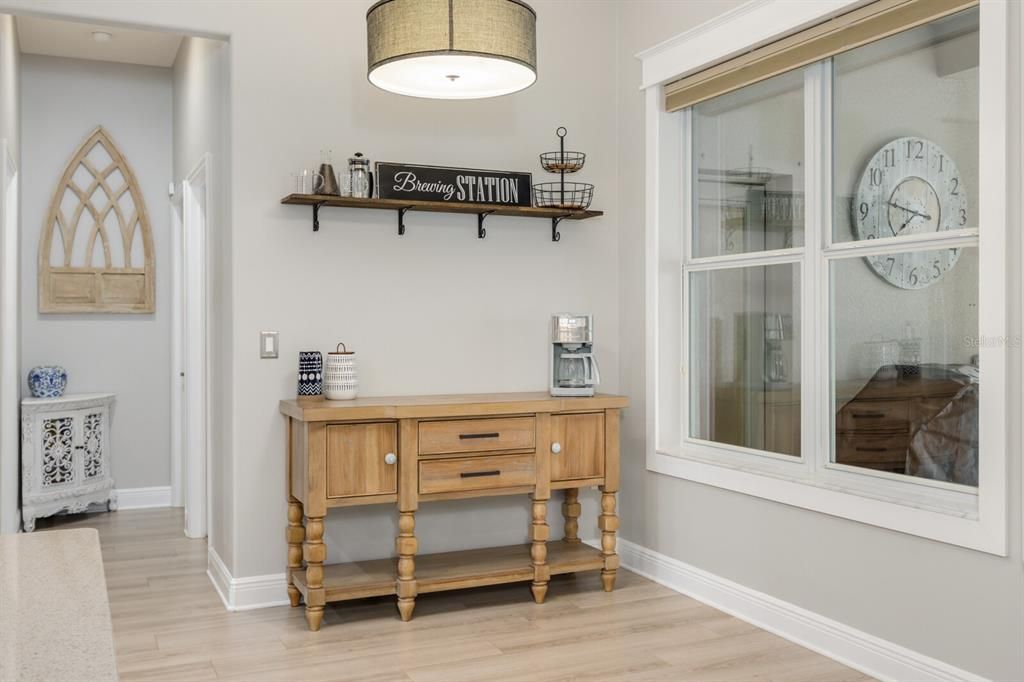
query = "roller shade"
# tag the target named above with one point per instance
(863, 25)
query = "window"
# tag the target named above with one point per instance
(829, 272)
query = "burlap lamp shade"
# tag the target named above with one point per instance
(451, 49)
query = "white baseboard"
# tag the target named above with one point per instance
(144, 498)
(244, 594)
(872, 655)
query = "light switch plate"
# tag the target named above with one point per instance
(268, 345)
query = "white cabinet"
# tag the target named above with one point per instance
(65, 455)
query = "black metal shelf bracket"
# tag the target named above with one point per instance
(480, 231)
(316, 215)
(401, 219)
(555, 234)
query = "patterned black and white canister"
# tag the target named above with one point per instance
(311, 373)
(341, 378)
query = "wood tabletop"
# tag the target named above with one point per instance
(418, 406)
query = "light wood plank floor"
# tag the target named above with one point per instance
(169, 624)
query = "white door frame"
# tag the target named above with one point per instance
(191, 354)
(10, 384)
(177, 367)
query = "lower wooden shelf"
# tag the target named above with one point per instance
(451, 570)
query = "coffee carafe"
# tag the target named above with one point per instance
(330, 183)
(573, 370)
(361, 179)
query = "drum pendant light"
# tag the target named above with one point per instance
(451, 49)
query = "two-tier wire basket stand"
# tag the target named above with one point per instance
(569, 195)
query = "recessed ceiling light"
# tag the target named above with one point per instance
(101, 36)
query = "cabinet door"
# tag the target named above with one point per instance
(579, 439)
(57, 450)
(358, 462)
(94, 444)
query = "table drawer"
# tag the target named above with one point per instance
(873, 415)
(476, 473)
(477, 435)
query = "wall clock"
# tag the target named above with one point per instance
(910, 186)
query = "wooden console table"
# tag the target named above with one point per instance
(407, 450)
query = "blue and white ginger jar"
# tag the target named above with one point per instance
(47, 382)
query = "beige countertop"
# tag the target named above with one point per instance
(54, 612)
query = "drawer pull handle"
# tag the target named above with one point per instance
(871, 449)
(469, 436)
(390, 458)
(868, 415)
(556, 448)
(477, 474)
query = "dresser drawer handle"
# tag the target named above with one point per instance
(477, 474)
(871, 449)
(868, 415)
(469, 436)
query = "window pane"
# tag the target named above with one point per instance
(905, 366)
(744, 337)
(748, 168)
(906, 132)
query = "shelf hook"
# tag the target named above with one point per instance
(480, 231)
(316, 215)
(555, 234)
(401, 219)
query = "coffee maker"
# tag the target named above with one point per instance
(573, 370)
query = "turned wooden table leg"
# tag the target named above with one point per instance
(314, 551)
(405, 546)
(571, 514)
(608, 523)
(539, 533)
(295, 534)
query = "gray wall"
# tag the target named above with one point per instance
(956, 605)
(63, 100)
(201, 125)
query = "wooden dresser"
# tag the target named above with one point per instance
(407, 450)
(874, 427)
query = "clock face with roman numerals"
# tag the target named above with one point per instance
(911, 186)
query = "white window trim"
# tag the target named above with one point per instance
(755, 23)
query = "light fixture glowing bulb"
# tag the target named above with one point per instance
(102, 36)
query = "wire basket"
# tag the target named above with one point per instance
(562, 162)
(571, 195)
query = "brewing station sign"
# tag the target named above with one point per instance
(452, 185)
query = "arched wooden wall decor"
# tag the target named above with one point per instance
(102, 258)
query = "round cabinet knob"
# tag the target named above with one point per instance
(390, 458)
(556, 448)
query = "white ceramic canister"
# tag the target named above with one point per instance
(341, 379)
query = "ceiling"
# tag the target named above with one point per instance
(71, 39)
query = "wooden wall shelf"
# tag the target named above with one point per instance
(556, 215)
